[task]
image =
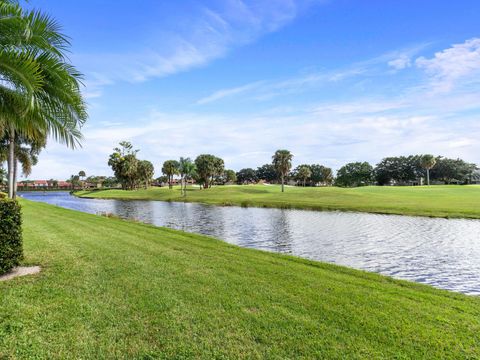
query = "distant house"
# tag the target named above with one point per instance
(43, 185)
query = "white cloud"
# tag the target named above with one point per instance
(333, 135)
(452, 65)
(331, 132)
(269, 89)
(400, 63)
(220, 94)
(210, 34)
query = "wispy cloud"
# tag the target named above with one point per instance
(220, 94)
(268, 89)
(210, 33)
(451, 65)
(329, 131)
(400, 62)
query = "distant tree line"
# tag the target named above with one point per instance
(207, 170)
(305, 175)
(406, 170)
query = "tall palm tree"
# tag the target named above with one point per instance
(40, 91)
(282, 160)
(428, 162)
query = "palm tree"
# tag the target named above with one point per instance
(26, 153)
(282, 160)
(187, 170)
(40, 91)
(82, 175)
(304, 173)
(428, 162)
(327, 175)
(170, 168)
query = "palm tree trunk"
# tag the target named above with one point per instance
(428, 176)
(15, 169)
(11, 160)
(282, 184)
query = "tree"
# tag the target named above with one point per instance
(230, 176)
(267, 173)
(187, 171)
(282, 161)
(303, 173)
(110, 182)
(40, 92)
(355, 174)
(208, 166)
(170, 168)
(218, 171)
(3, 176)
(327, 175)
(26, 153)
(246, 176)
(81, 174)
(428, 161)
(401, 169)
(74, 181)
(452, 170)
(124, 164)
(145, 172)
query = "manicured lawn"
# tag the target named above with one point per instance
(438, 201)
(116, 289)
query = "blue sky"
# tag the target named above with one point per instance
(333, 81)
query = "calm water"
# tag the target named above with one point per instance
(440, 252)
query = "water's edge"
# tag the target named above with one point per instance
(435, 251)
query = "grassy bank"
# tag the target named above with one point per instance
(437, 201)
(116, 289)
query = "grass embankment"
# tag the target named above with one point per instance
(116, 289)
(437, 201)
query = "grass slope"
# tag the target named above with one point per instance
(438, 201)
(116, 289)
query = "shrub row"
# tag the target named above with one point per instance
(11, 250)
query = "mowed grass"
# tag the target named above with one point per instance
(116, 289)
(437, 201)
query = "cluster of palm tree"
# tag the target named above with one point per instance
(40, 93)
(185, 167)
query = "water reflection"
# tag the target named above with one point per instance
(443, 253)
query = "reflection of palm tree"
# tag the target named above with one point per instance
(42, 93)
(282, 160)
(281, 236)
(428, 162)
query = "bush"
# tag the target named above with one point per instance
(11, 250)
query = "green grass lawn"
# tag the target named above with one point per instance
(438, 201)
(116, 289)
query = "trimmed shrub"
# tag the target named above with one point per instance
(11, 249)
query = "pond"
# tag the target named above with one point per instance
(444, 253)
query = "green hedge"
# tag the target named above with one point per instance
(11, 250)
